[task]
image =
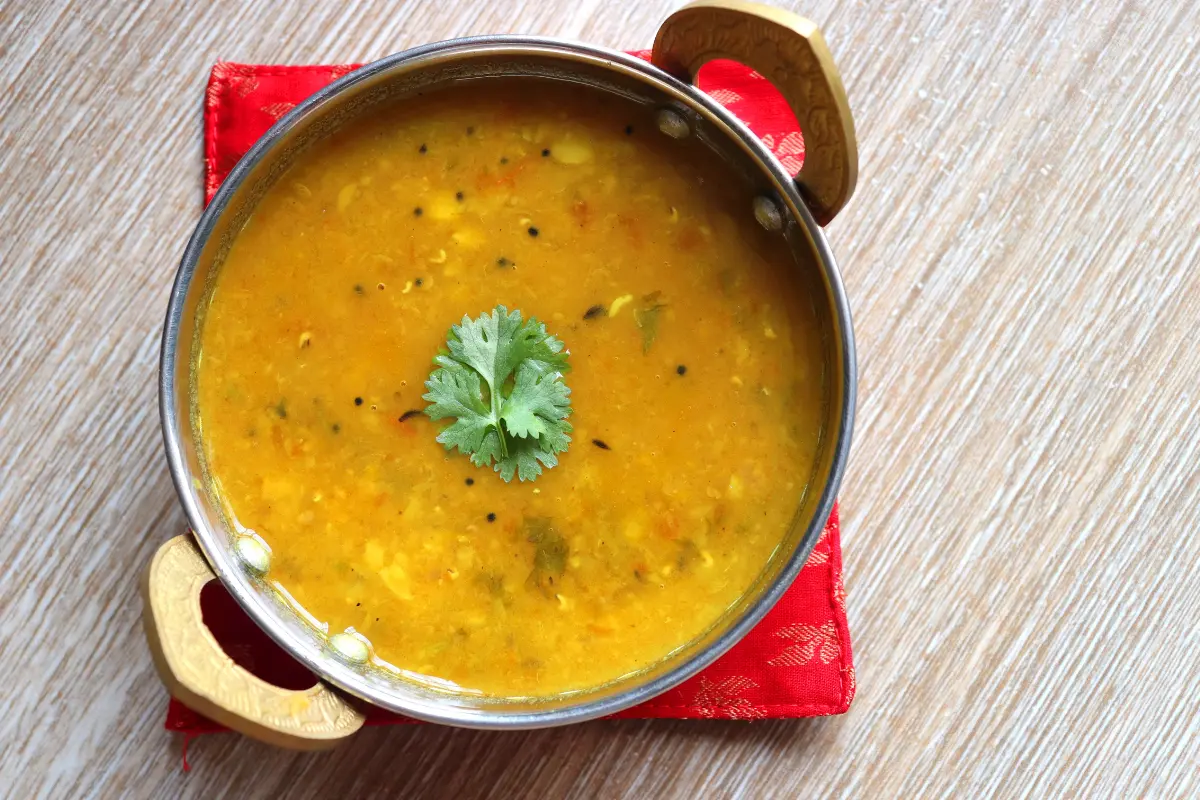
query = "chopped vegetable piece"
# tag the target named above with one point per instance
(603, 445)
(647, 318)
(595, 311)
(619, 303)
(518, 426)
(573, 151)
(549, 554)
(688, 552)
(493, 582)
(407, 415)
(728, 280)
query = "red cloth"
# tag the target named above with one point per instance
(795, 663)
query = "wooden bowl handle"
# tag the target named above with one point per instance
(789, 51)
(196, 670)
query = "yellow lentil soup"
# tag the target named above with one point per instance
(696, 378)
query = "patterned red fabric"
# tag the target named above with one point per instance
(795, 663)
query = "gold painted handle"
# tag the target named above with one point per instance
(196, 670)
(789, 51)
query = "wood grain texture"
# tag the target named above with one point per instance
(1022, 509)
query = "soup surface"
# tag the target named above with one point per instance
(696, 385)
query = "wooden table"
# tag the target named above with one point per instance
(1022, 513)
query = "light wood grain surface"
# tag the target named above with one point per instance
(1022, 512)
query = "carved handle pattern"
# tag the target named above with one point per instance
(196, 670)
(789, 51)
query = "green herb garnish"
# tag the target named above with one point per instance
(646, 318)
(502, 382)
(549, 554)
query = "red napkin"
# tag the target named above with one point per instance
(795, 663)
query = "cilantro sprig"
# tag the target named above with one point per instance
(501, 381)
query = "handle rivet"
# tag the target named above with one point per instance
(767, 212)
(254, 553)
(672, 123)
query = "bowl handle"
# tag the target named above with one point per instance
(196, 670)
(790, 52)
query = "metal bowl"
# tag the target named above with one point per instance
(784, 48)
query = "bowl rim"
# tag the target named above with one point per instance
(321, 661)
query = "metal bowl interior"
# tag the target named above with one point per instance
(432, 68)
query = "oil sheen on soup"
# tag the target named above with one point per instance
(696, 386)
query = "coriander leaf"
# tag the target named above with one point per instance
(496, 343)
(477, 342)
(537, 402)
(457, 393)
(492, 447)
(555, 440)
(537, 349)
(520, 425)
(525, 454)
